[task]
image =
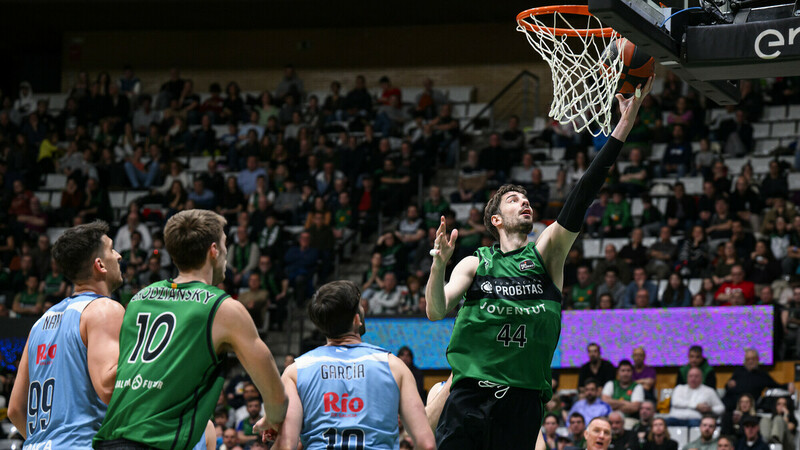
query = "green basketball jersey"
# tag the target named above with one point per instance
(508, 328)
(169, 376)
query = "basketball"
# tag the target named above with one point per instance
(637, 65)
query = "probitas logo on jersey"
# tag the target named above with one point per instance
(527, 265)
(345, 407)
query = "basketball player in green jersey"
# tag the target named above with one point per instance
(508, 328)
(169, 375)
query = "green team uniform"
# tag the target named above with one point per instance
(508, 328)
(582, 298)
(169, 376)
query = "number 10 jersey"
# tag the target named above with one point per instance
(169, 375)
(508, 327)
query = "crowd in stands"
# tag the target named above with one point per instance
(749, 413)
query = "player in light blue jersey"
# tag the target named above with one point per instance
(346, 395)
(67, 370)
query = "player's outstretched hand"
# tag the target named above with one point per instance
(443, 247)
(628, 107)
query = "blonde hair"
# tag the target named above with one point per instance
(189, 234)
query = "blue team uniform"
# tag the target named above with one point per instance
(64, 410)
(350, 398)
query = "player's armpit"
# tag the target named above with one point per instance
(234, 328)
(289, 434)
(554, 245)
(412, 412)
(18, 401)
(100, 325)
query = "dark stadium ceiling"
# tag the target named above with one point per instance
(72, 15)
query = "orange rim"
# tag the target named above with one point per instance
(582, 10)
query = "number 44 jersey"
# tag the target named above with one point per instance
(64, 410)
(169, 375)
(508, 328)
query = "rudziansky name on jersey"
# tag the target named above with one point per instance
(169, 294)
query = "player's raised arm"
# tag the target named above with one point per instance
(289, 434)
(555, 241)
(441, 298)
(234, 327)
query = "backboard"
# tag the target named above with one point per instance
(711, 44)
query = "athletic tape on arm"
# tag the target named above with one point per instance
(585, 191)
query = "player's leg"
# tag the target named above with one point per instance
(463, 420)
(514, 420)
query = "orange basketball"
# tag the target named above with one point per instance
(637, 66)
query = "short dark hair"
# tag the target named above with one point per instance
(333, 306)
(579, 415)
(493, 206)
(405, 349)
(590, 381)
(76, 249)
(593, 344)
(696, 349)
(624, 362)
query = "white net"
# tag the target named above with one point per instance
(583, 86)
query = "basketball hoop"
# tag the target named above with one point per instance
(584, 80)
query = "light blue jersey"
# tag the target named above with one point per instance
(350, 398)
(64, 410)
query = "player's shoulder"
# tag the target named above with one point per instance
(103, 308)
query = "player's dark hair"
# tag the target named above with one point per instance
(590, 381)
(405, 349)
(624, 362)
(493, 206)
(333, 306)
(696, 349)
(77, 248)
(593, 344)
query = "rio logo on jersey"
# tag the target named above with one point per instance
(345, 407)
(45, 354)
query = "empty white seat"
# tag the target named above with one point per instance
(55, 199)
(43, 196)
(55, 182)
(592, 249)
(774, 113)
(784, 129)
(117, 199)
(557, 153)
(794, 112)
(131, 196)
(622, 165)
(458, 93)
(649, 241)
(695, 284)
(549, 172)
(773, 446)
(636, 207)
(760, 130)
(460, 111)
(760, 165)
(199, 163)
(679, 434)
(54, 233)
(693, 185)
(657, 152)
(794, 181)
(462, 209)
(694, 433)
(220, 130)
(539, 124)
(765, 146)
(735, 165)
(618, 243)
(662, 286)
(10, 444)
(661, 204)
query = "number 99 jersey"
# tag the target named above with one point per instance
(64, 410)
(508, 328)
(350, 398)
